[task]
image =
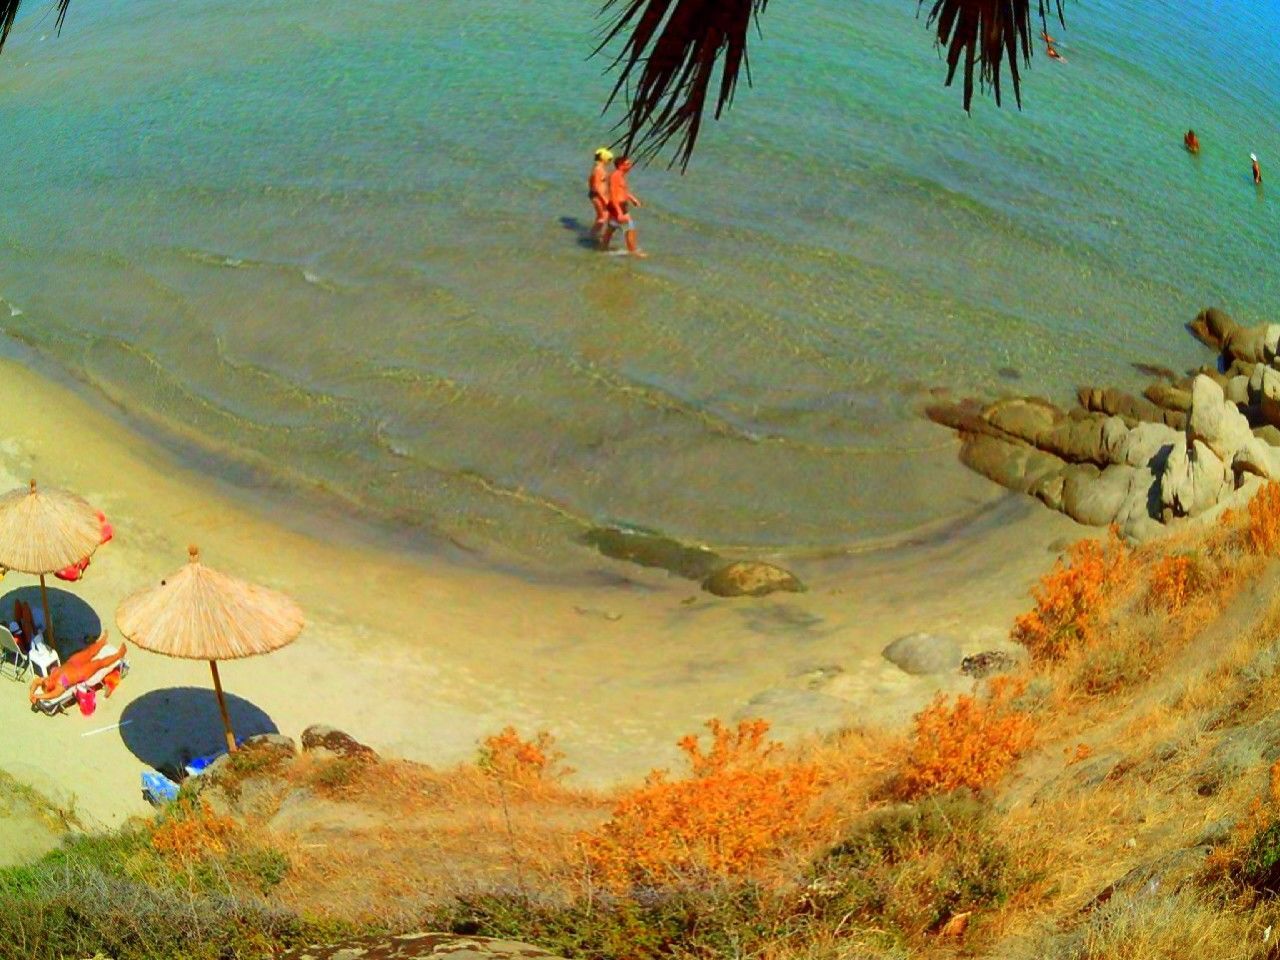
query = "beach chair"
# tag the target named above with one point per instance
(12, 655)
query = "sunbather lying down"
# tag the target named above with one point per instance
(95, 660)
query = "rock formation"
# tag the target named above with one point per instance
(1188, 447)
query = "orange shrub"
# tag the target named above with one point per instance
(1071, 598)
(192, 832)
(969, 744)
(1171, 583)
(525, 763)
(1264, 520)
(740, 805)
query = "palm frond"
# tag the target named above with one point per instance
(667, 66)
(9, 11)
(979, 34)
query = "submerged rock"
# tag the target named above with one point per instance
(650, 549)
(921, 654)
(751, 578)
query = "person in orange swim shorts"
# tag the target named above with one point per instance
(621, 200)
(598, 190)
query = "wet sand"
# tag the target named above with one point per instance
(421, 655)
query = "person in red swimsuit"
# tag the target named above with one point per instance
(598, 190)
(621, 200)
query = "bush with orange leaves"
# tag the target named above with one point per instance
(191, 831)
(741, 805)
(968, 744)
(1173, 580)
(1264, 520)
(1071, 599)
(512, 760)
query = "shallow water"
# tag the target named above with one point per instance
(345, 245)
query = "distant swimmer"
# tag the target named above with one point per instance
(1257, 170)
(621, 200)
(1191, 142)
(1044, 35)
(598, 189)
(1054, 54)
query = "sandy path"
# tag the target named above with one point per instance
(421, 656)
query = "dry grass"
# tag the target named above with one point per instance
(1142, 727)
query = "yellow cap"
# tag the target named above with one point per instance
(604, 154)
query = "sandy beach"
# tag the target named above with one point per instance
(422, 655)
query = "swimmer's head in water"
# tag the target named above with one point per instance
(1253, 157)
(624, 163)
(604, 154)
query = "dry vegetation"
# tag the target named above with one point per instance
(1118, 796)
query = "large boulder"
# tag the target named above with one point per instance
(921, 654)
(1133, 409)
(1013, 465)
(1098, 498)
(1213, 327)
(1214, 421)
(421, 946)
(1169, 397)
(1083, 439)
(1027, 418)
(1194, 480)
(749, 578)
(1258, 458)
(1147, 445)
(1267, 393)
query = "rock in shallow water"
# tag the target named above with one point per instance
(748, 578)
(921, 654)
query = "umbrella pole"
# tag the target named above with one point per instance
(48, 620)
(222, 705)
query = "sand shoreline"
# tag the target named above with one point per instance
(420, 654)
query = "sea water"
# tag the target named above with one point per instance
(344, 244)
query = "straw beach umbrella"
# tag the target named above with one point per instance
(201, 614)
(44, 530)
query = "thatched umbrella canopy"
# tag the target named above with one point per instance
(201, 614)
(44, 530)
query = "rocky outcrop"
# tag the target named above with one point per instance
(245, 783)
(1184, 449)
(323, 741)
(747, 578)
(988, 663)
(421, 946)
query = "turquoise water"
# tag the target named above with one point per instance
(338, 243)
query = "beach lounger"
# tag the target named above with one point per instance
(11, 654)
(55, 705)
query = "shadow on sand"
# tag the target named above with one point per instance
(167, 728)
(75, 623)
